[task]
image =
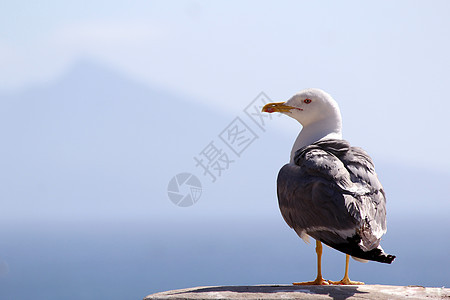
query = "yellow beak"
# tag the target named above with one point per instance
(277, 107)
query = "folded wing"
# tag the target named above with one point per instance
(332, 193)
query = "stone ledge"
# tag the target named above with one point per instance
(305, 292)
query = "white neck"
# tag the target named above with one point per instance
(324, 129)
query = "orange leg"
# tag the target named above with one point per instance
(346, 280)
(319, 280)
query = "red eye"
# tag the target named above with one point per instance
(307, 101)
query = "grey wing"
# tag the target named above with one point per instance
(368, 197)
(317, 197)
(310, 197)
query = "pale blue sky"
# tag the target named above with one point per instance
(386, 63)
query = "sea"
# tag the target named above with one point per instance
(129, 259)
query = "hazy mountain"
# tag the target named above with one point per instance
(95, 143)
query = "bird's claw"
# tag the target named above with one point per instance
(318, 281)
(346, 281)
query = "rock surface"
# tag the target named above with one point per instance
(305, 292)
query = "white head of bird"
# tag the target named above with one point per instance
(318, 113)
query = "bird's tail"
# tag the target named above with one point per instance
(351, 246)
(376, 254)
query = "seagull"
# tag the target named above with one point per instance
(329, 190)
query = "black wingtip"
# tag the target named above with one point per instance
(389, 258)
(379, 256)
(353, 249)
(376, 254)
